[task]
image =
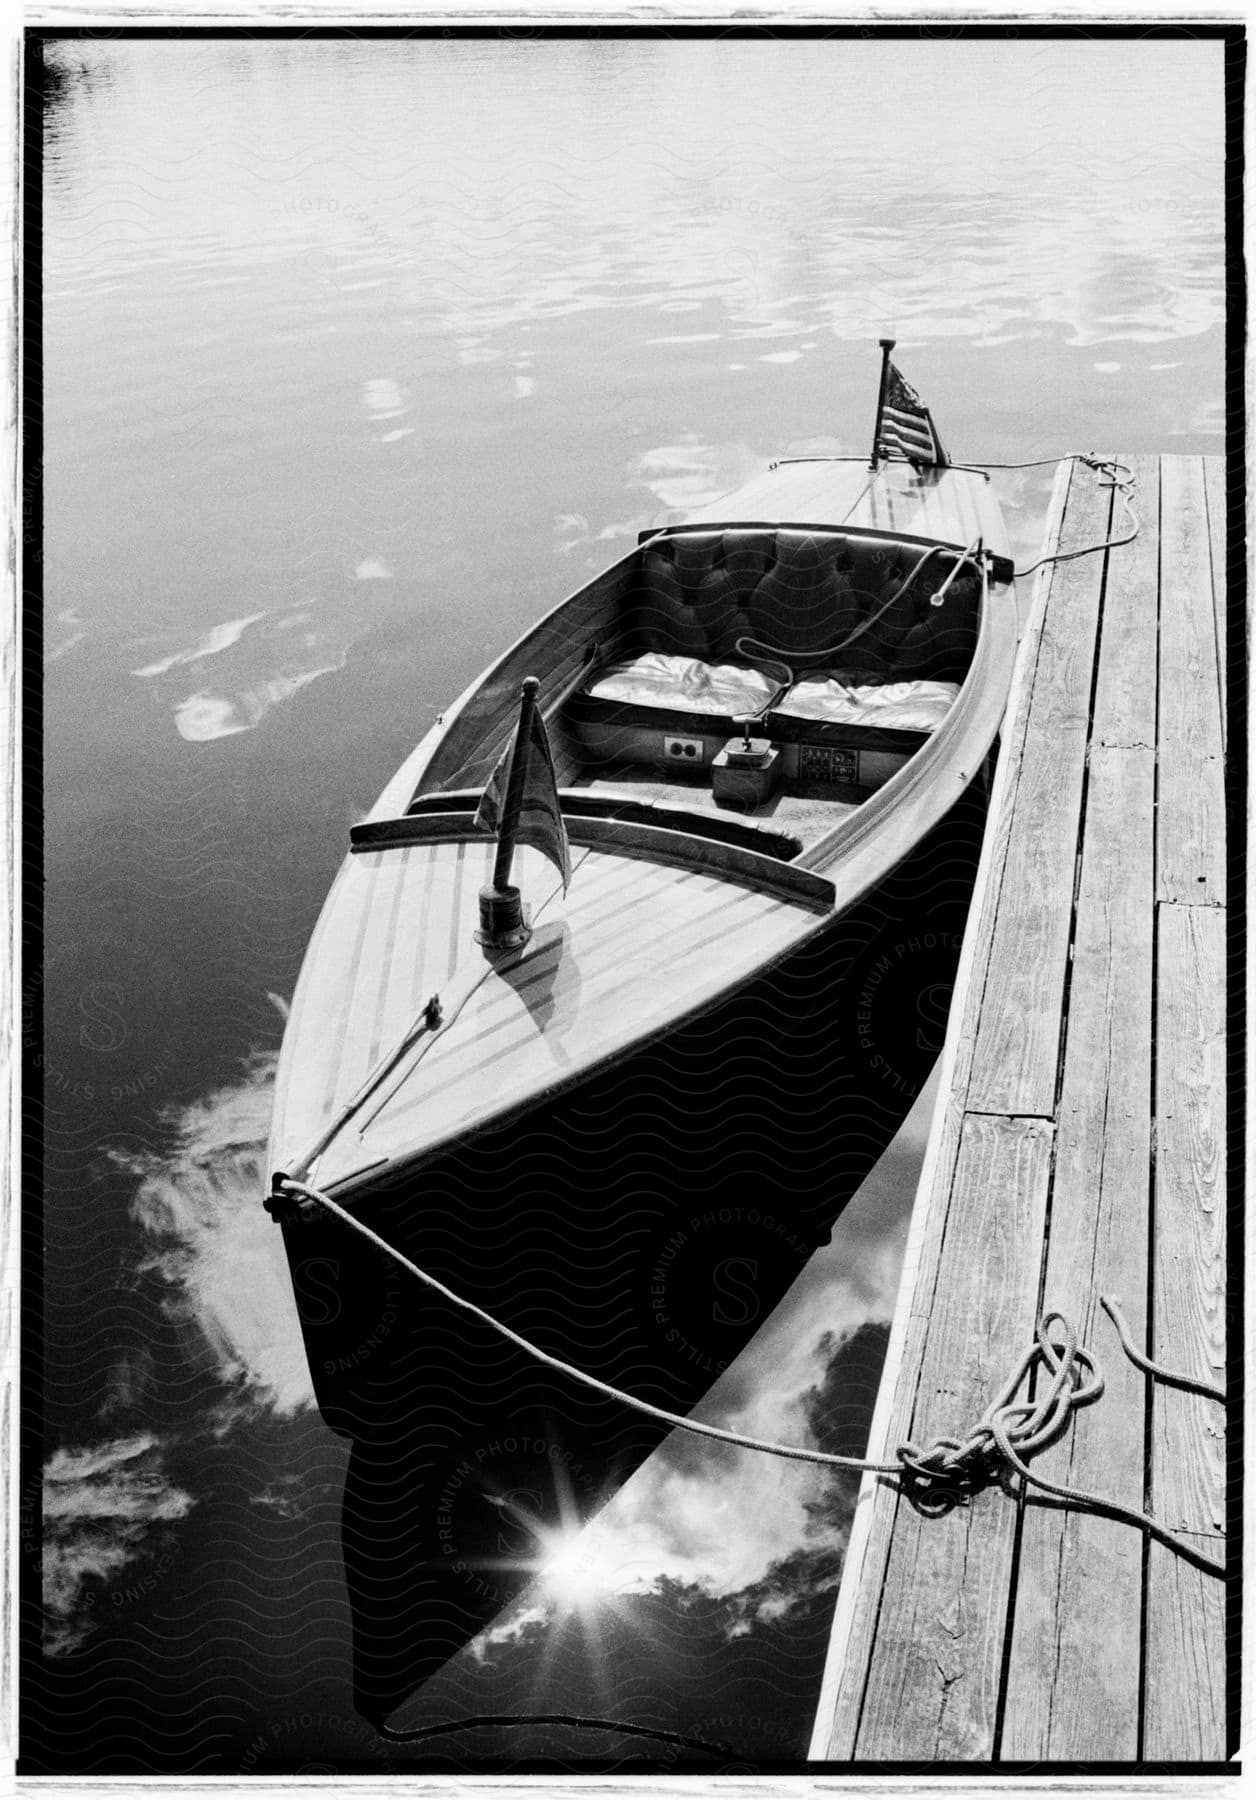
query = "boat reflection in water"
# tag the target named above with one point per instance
(619, 1112)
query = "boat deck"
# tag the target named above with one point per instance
(1077, 1150)
(803, 817)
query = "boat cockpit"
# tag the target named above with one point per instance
(748, 683)
(841, 655)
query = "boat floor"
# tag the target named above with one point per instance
(802, 816)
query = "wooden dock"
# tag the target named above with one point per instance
(1077, 1150)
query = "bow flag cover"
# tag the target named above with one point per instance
(540, 815)
(906, 424)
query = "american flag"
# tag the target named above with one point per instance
(905, 424)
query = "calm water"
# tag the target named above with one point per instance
(358, 356)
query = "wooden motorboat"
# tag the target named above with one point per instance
(622, 1118)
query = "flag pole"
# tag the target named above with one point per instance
(501, 907)
(887, 344)
(513, 803)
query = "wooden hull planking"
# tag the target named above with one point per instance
(678, 1024)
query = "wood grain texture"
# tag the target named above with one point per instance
(1125, 687)
(730, 863)
(933, 1686)
(664, 843)
(1218, 534)
(1186, 1646)
(917, 1624)
(841, 1697)
(954, 505)
(816, 492)
(802, 816)
(1015, 1060)
(1191, 841)
(1074, 1678)
(393, 930)
(635, 790)
(632, 947)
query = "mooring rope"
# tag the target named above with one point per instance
(1156, 1370)
(1009, 1428)
(1125, 491)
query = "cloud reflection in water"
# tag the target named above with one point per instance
(107, 1510)
(219, 1252)
(752, 1536)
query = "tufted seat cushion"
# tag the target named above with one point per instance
(692, 600)
(807, 597)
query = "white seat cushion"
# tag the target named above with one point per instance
(685, 684)
(897, 705)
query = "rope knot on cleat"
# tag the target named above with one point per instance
(1010, 1430)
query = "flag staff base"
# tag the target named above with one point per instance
(504, 921)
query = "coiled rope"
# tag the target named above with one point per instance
(1010, 1429)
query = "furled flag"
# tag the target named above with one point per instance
(906, 425)
(540, 815)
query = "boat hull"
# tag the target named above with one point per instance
(624, 1140)
(639, 1225)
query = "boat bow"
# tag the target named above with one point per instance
(636, 945)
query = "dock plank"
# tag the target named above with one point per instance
(1089, 1008)
(1073, 1680)
(1186, 1644)
(841, 1695)
(933, 1689)
(1191, 840)
(1218, 534)
(1125, 686)
(1014, 1063)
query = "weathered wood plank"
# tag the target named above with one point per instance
(1125, 687)
(837, 1713)
(1191, 842)
(1186, 1645)
(932, 1691)
(907, 1677)
(1014, 1062)
(1218, 534)
(1074, 1677)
